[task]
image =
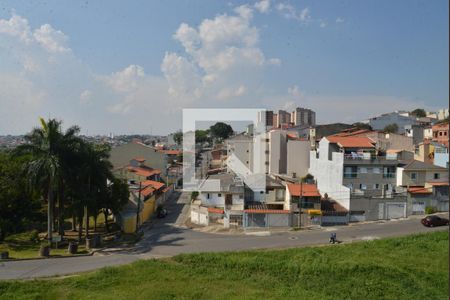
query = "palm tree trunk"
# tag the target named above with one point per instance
(106, 220)
(74, 222)
(86, 212)
(50, 212)
(61, 207)
(80, 224)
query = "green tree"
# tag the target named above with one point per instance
(419, 113)
(391, 128)
(360, 125)
(201, 136)
(178, 137)
(44, 168)
(221, 131)
(19, 207)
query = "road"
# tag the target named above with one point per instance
(166, 238)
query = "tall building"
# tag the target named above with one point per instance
(269, 117)
(303, 116)
(283, 117)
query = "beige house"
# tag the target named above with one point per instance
(417, 173)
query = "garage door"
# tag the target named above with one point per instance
(395, 210)
(418, 208)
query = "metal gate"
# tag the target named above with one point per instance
(395, 210)
(418, 208)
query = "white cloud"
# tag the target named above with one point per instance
(86, 97)
(222, 54)
(16, 26)
(295, 92)
(290, 12)
(126, 80)
(262, 6)
(323, 24)
(339, 20)
(50, 39)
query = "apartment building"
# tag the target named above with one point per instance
(303, 116)
(352, 173)
(440, 133)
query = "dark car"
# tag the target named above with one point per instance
(431, 221)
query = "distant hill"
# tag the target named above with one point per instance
(329, 129)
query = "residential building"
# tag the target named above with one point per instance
(267, 116)
(442, 114)
(303, 116)
(428, 133)
(224, 191)
(441, 155)
(121, 156)
(417, 173)
(383, 141)
(282, 118)
(416, 132)
(351, 172)
(287, 154)
(402, 119)
(440, 133)
(434, 194)
(137, 171)
(241, 146)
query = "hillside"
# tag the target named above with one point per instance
(412, 267)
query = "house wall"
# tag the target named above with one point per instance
(378, 123)
(298, 158)
(329, 174)
(422, 176)
(386, 141)
(371, 205)
(213, 200)
(277, 152)
(441, 159)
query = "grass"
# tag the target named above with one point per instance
(412, 267)
(24, 245)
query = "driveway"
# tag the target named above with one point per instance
(167, 238)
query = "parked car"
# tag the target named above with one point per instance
(431, 221)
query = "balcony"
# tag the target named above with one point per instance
(389, 175)
(350, 175)
(369, 159)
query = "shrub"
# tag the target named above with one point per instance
(430, 210)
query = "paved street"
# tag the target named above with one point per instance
(167, 238)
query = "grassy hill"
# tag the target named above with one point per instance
(413, 267)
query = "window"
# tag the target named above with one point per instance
(241, 196)
(219, 195)
(363, 170)
(376, 170)
(413, 175)
(436, 175)
(362, 186)
(350, 172)
(261, 192)
(440, 133)
(376, 186)
(207, 196)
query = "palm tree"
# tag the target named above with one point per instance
(51, 151)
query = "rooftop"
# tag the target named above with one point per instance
(304, 189)
(351, 141)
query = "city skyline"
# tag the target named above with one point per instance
(131, 68)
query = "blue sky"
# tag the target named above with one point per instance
(130, 67)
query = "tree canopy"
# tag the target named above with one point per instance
(419, 112)
(221, 131)
(391, 128)
(360, 125)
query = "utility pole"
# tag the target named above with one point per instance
(138, 207)
(300, 205)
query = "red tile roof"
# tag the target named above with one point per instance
(305, 189)
(266, 211)
(139, 159)
(155, 184)
(442, 183)
(215, 210)
(147, 191)
(351, 141)
(349, 132)
(419, 190)
(146, 172)
(171, 152)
